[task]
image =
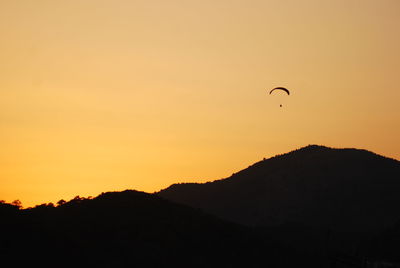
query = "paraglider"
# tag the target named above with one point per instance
(280, 88)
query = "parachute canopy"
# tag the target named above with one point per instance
(280, 88)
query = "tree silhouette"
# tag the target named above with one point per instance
(17, 203)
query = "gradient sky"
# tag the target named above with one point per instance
(104, 95)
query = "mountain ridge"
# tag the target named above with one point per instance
(308, 148)
(129, 229)
(309, 207)
(320, 200)
(283, 188)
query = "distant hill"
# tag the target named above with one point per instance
(340, 189)
(314, 195)
(130, 229)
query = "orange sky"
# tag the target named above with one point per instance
(114, 94)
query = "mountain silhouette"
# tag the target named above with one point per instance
(312, 207)
(130, 229)
(343, 189)
(315, 194)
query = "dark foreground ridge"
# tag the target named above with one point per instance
(315, 198)
(131, 229)
(312, 207)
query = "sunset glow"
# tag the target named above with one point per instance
(110, 95)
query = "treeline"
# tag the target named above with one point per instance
(131, 229)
